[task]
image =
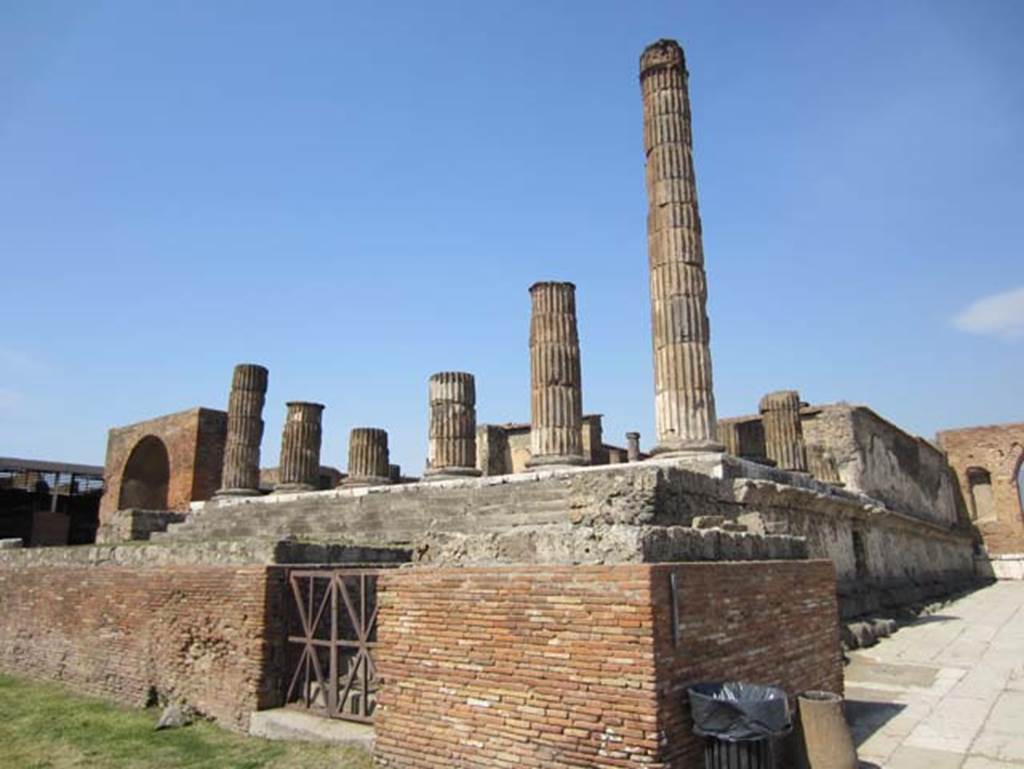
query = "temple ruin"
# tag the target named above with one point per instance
(539, 593)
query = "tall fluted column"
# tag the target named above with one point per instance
(452, 448)
(684, 406)
(367, 457)
(241, 472)
(556, 399)
(783, 433)
(633, 446)
(300, 447)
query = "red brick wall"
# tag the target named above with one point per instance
(194, 440)
(192, 633)
(571, 666)
(767, 622)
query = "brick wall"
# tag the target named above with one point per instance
(193, 633)
(194, 441)
(999, 450)
(769, 623)
(570, 666)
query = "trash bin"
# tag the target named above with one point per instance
(739, 721)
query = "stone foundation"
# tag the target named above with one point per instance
(637, 512)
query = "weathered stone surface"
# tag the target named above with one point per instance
(493, 454)
(135, 525)
(293, 725)
(556, 398)
(367, 457)
(173, 717)
(164, 552)
(622, 513)
(300, 447)
(684, 395)
(783, 435)
(452, 445)
(821, 464)
(14, 543)
(241, 474)
(875, 457)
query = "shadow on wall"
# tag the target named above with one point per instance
(146, 476)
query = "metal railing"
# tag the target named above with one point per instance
(332, 642)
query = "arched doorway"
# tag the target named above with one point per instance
(979, 483)
(145, 477)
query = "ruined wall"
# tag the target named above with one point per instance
(503, 449)
(577, 666)
(743, 437)
(199, 634)
(872, 456)
(998, 451)
(875, 457)
(636, 512)
(883, 560)
(194, 444)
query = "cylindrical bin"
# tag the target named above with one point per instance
(824, 740)
(739, 721)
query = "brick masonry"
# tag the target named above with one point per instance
(205, 635)
(194, 441)
(562, 666)
(999, 450)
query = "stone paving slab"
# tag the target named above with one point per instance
(946, 691)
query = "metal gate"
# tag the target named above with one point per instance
(332, 641)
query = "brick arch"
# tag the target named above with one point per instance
(146, 476)
(194, 441)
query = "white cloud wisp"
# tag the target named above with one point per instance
(1000, 315)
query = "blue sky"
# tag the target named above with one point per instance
(357, 195)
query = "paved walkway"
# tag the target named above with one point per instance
(946, 692)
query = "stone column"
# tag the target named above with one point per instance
(783, 434)
(241, 472)
(452, 447)
(367, 457)
(684, 406)
(556, 399)
(633, 447)
(300, 447)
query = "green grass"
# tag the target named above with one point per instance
(44, 727)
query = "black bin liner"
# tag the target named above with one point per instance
(735, 711)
